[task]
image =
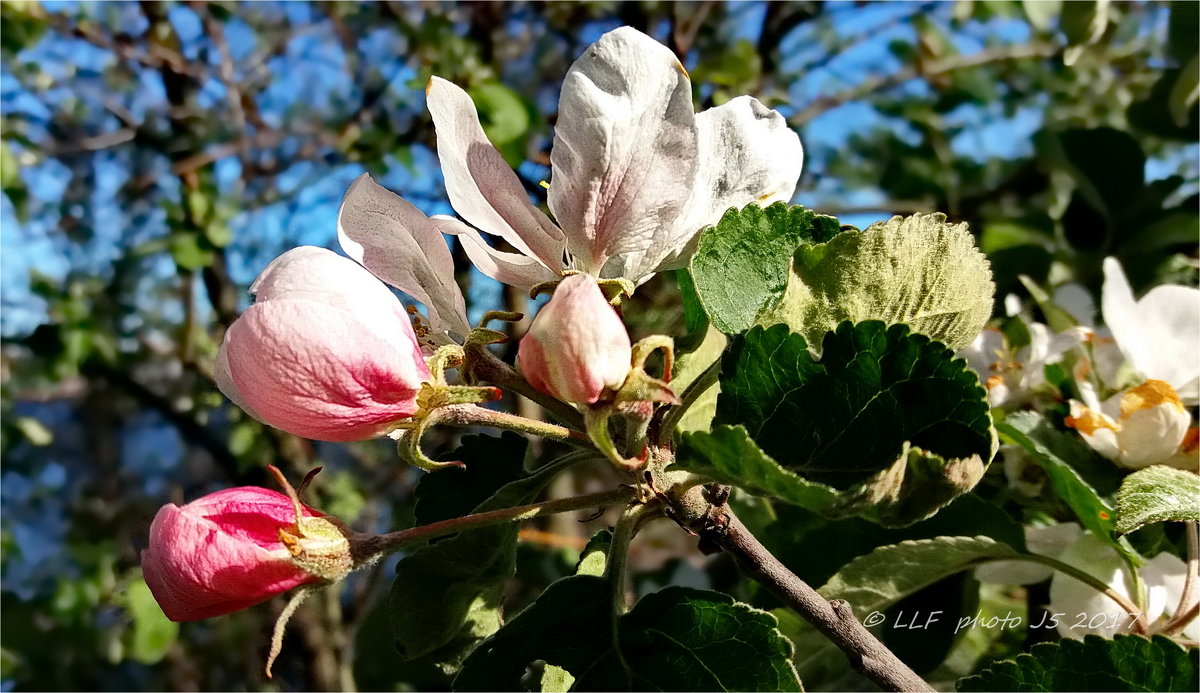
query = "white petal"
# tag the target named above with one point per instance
(482, 187)
(1078, 302)
(747, 154)
(1173, 572)
(624, 154)
(404, 248)
(513, 269)
(1049, 540)
(1083, 609)
(1157, 334)
(1174, 313)
(987, 349)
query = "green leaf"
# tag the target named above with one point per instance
(1185, 92)
(1125, 663)
(1030, 431)
(876, 581)
(919, 271)
(188, 251)
(1042, 14)
(556, 680)
(886, 423)
(1157, 494)
(1107, 165)
(502, 112)
(679, 639)
(741, 265)
(448, 595)
(455, 491)
(594, 557)
(153, 633)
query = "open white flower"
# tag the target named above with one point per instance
(1078, 608)
(1157, 334)
(1149, 423)
(1141, 426)
(1011, 376)
(635, 175)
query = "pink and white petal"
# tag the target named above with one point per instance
(625, 149)
(224, 381)
(513, 269)
(319, 274)
(316, 371)
(403, 247)
(747, 155)
(252, 513)
(481, 185)
(195, 570)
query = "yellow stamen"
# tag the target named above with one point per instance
(1148, 395)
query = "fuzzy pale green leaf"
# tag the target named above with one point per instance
(919, 271)
(1157, 494)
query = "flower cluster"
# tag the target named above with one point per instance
(328, 352)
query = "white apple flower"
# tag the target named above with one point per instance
(1011, 376)
(1080, 609)
(1138, 427)
(635, 175)
(1149, 423)
(1157, 334)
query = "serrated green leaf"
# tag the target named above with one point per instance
(914, 487)
(874, 582)
(1030, 431)
(919, 271)
(889, 422)
(447, 595)
(741, 265)
(594, 557)
(1157, 494)
(153, 633)
(1125, 663)
(678, 639)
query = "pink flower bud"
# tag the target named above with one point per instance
(577, 347)
(222, 553)
(326, 352)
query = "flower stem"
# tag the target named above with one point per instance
(1185, 614)
(482, 365)
(1139, 625)
(378, 544)
(471, 415)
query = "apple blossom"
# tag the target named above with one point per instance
(222, 553)
(326, 352)
(1080, 609)
(1157, 334)
(636, 174)
(577, 348)
(1012, 376)
(1141, 426)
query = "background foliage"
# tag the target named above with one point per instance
(156, 156)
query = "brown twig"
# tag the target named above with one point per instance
(927, 69)
(836, 620)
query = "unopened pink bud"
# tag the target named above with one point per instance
(223, 553)
(326, 352)
(577, 348)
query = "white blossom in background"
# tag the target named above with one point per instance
(1012, 376)
(1079, 608)
(635, 175)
